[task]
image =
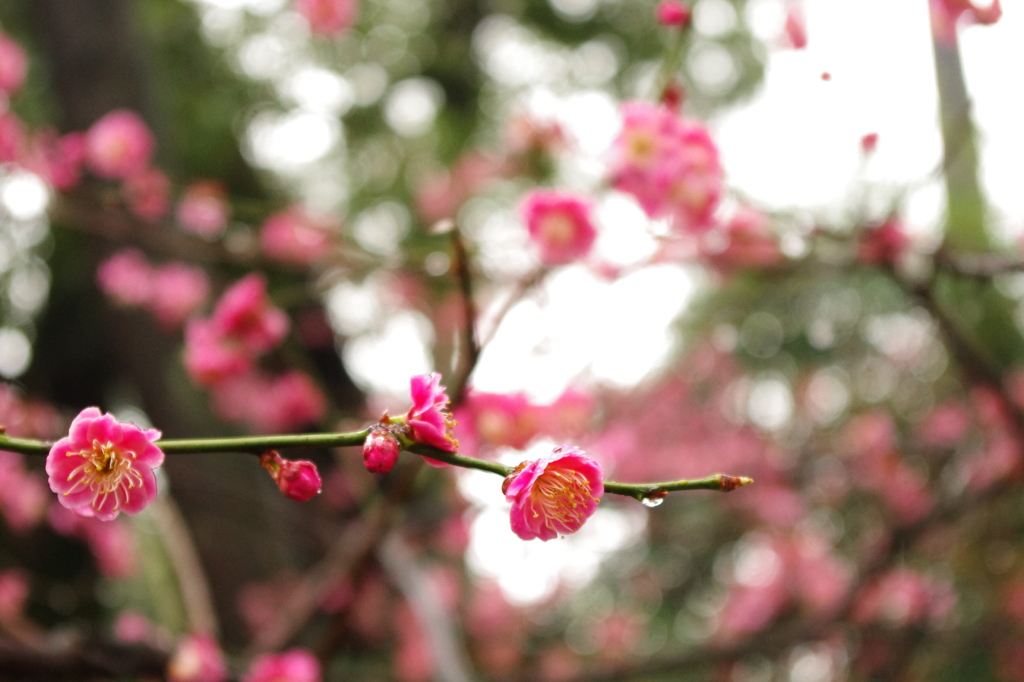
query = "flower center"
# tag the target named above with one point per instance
(558, 229)
(105, 470)
(563, 495)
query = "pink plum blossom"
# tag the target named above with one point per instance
(269, 404)
(554, 495)
(204, 209)
(380, 451)
(795, 28)
(327, 17)
(669, 164)
(429, 418)
(672, 13)
(244, 312)
(197, 658)
(559, 225)
(745, 241)
(119, 145)
(178, 290)
(212, 357)
(294, 236)
(501, 418)
(148, 194)
(126, 277)
(883, 244)
(13, 65)
(14, 589)
(58, 160)
(103, 466)
(298, 479)
(12, 137)
(295, 665)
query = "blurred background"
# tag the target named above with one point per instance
(846, 330)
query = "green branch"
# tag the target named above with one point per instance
(259, 444)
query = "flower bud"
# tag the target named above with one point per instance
(298, 480)
(380, 451)
(673, 13)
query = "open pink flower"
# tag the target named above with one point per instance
(13, 65)
(327, 17)
(126, 277)
(103, 466)
(204, 209)
(298, 479)
(294, 236)
(429, 419)
(295, 665)
(560, 226)
(554, 495)
(119, 144)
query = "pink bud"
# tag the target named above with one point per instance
(673, 13)
(380, 451)
(869, 142)
(13, 65)
(298, 480)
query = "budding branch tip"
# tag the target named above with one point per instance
(729, 483)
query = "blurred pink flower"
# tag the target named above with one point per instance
(295, 665)
(204, 209)
(413, 660)
(56, 159)
(127, 277)
(946, 14)
(178, 290)
(500, 418)
(669, 164)
(13, 65)
(298, 479)
(148, 193)
(429, 419)
(569, 416)
(294, 236)
(210, 356)
(327, 17)
(197, 658)
(103, 466)
(672, 13)
(795, 28)
(269, 404)
(380, 451)
(119, 145)
(554, 495)
(14, 589)
(746, 241)
(12, 137)
(902, 597)
(23, 495)
(559, 225)
(244, 312)
(883, 244)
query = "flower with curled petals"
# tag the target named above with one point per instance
(103, 466)
(554, 495)
(429, 419)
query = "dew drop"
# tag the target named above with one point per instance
(654, 499)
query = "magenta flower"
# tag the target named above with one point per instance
(429, 419)
(296, 665)
(554, 495)
(672, 13)
(559, 224)
(119, 144)
(298, 479)
(13, 65)
(380, 451)
(103, 466)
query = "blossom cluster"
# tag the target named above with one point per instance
(173, 292)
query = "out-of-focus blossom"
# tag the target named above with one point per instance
(12, 137)
(380, 451)
(298, 479)
(902, 597)
(669, 164)
(212, 357)
(559, 225)
(869, 142)
(56, 159)
(103, 466)
(672, 13)
(197, 658)
(884, 244)
(13, 65)
(429, 418)
(23, 495)
(119, 145)
(126, 277)
(132, 627)
(295, 665)
(554, 495)
(204, 209)
(745, 241)
(499, 419)
(269, 404)
(413, 659)
(14, 590)
(327, 17)
(178, 291)
(294, 236)
(795, 28)
(244, 312)
(148, 193)
(947, 14)
(569, 416)
(440, 195)
(945, 425)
